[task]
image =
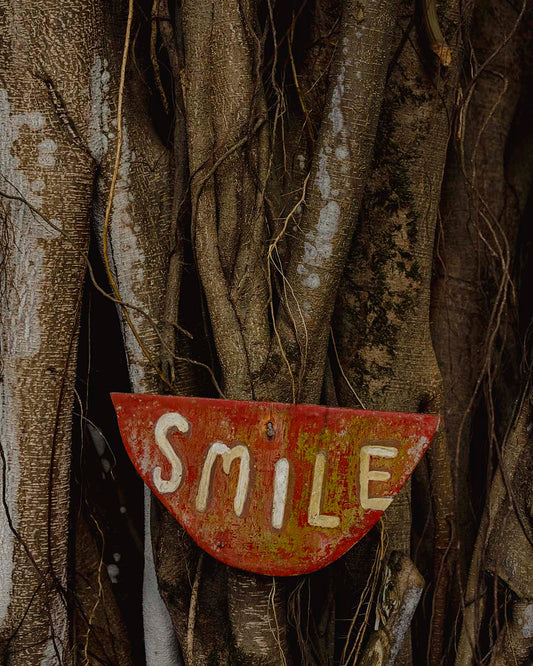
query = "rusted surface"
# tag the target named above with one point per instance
(317, 480)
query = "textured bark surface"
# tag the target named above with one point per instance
(340, 164)
(138, 245)
(49, 171)
(503, 548)
(382, 324)
(474, 308)
(59, 130)
(236, 301)
(481, 206)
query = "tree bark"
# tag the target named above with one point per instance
(382, 322)
(472, 310)
(47, 179)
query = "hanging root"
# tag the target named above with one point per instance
(276, 631)
(437, 43)
(193, 609)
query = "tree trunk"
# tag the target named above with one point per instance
(47, 181)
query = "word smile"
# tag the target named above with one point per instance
(282, 470)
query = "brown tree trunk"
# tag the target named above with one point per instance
(382, 323)
(47, 181)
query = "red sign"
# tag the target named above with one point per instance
(272, 488)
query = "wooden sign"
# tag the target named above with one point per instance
(272, 488)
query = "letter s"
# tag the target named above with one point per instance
(163, 425)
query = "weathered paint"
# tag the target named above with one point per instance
(273, 488)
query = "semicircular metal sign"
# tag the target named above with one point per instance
(272, 488)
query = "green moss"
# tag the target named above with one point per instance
(384, 275)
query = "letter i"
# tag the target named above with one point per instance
(281, 487)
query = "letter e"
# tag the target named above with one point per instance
(366, 475)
